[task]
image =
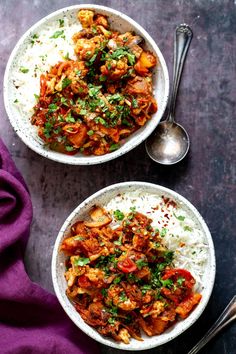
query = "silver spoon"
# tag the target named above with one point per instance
(227, 316)
(170, 142)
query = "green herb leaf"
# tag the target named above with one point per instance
(52, 108)
(180, 281)
(131, 58)
(102, 78)
(58, 34)
(168, 283)
(114, 147)
(64, 101)
(104, 292)
(163, 232)
(66, 82)
(180, 217)
(118, 215)
(80, 261)
(112, 321)
(141, 263)
(117, 280)
(61, 22)
(24, 70)
(90, 132)
(134, 103)
(69, 118)
(69, 148)
(187, 228)
(123, 297)
(100, 120)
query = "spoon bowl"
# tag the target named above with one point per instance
(168, 144)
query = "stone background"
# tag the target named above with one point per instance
(205, 107)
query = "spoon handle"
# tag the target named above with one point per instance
(183, 37)
(227, 316)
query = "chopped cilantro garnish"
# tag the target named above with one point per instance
(180, 217)
(100, 120)
(180, 281)
(66, 56)
(90, 132)
(118, 215)
(134, 103)
(141, 263)
(114, 98)
(64, 101)
(24, 70)
(78, 72)
(61, 22)
(187, 228)
(123, 297)
(168, 283)
(145, 288)
(94, 91)
(58, 34)
(80, 261)
(52, 108)
(104, 292)
(102, 78)
(163, 232)
(111, 321)
(66, 82)
(70, 119)
(117, 280)
(114, 147)
(131, 58)
(69, 148)
(16, 100)
(82, 112)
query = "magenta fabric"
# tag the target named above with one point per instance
(31, 319)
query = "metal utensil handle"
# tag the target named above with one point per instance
(183, 37)
(227, 316)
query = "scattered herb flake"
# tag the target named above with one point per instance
(58, 34)
(24, 70)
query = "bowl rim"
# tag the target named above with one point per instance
(73, 160)
(211, 274)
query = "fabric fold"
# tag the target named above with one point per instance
(31, 319)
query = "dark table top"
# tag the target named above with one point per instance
(206, 107)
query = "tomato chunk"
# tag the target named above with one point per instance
(127, 266)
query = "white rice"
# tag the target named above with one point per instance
(38, 57)
(182, 236)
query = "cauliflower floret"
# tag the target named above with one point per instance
(86, 18)
(124, 335)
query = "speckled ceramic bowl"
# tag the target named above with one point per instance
(102, 197)
(21, 121)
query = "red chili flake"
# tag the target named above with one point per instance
(172, 203)
(167, 216)
(166, 200)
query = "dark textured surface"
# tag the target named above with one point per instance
(206, 107)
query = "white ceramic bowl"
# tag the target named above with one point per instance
(21, 120)
(102, 197)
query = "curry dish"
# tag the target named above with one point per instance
(121, 279)
(92, 104)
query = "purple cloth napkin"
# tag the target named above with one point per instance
(31, 319)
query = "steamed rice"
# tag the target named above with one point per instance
(42, 52)
(181, 233)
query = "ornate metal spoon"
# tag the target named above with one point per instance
(170, 142)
